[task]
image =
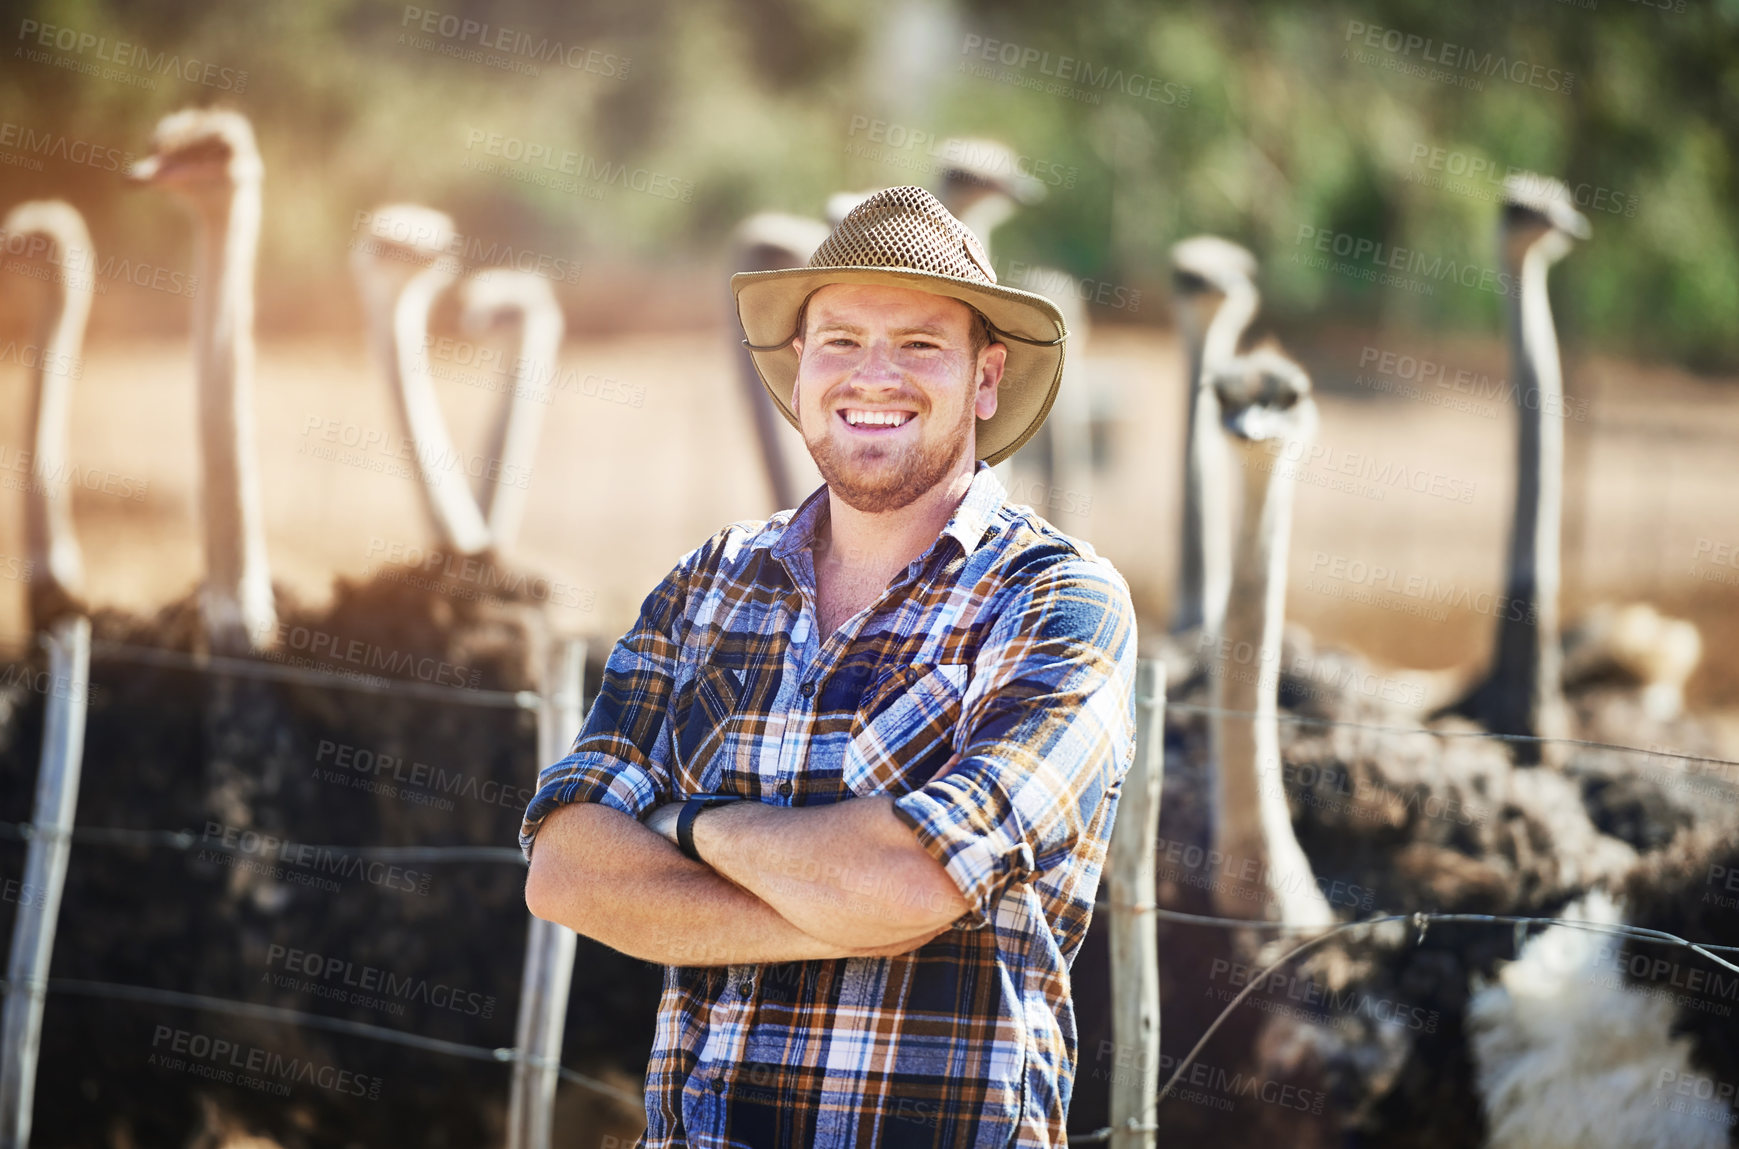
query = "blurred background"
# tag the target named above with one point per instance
(614, 148)
(1260, 123)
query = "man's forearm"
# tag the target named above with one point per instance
(851, 873)
(602, 874)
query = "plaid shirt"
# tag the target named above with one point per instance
(1007, 643)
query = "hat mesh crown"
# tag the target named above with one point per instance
(906, 227)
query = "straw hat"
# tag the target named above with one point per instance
(904, 237)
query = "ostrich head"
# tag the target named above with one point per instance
(770, 240)
(1206, 265)
(1264, 396)
(200, 153)
(402, 240)
(49, 233)
(1539, 214)
(50, 230)
(1206, 271)
(983, 179)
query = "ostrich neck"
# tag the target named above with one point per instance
(1253, 822)
(1527, 661)
(238, 595)
(984, 215)
(1204, 556)
(1224, 331)
(451, 502)
(48, 502)
(534, 378)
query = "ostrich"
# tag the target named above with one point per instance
(489, 297)
(56, 234)
(1523, 693)
(983, 184)
(1215, 291)
(768, 241)
(1264, 399)
(401, 267)
(209, 161)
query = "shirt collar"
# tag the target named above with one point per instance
(967, 526)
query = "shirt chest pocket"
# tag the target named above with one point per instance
(718, 720)
(905, 731)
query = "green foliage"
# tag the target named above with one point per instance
(1272, 121)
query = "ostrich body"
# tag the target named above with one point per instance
(1588, 1043)
(1264, 398)
(208, 160)
(490, 296)
(57, 580)
(402, 268)
(1524, 692)
(1214, 284)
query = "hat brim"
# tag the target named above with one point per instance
(768, 302)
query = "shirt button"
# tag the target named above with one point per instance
(718, 1085)
(784, 789)
(807, 690)
(747, 988)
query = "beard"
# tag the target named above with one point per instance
(873, 478)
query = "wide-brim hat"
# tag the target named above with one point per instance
(904, 237)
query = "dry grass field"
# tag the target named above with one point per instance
(647, 449)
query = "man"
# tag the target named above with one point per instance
(918, 701)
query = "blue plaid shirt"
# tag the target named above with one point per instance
(1007, 643)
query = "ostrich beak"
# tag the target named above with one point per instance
(1577, 225)
(144, 171)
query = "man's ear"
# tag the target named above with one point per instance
(991, 362)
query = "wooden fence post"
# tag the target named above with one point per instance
(1134, 942)
(57, 779)
(549, 948)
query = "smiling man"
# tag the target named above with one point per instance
(851, 775)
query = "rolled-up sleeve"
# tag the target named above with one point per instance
(621, 757)
(1046, 733)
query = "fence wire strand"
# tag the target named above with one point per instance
(149, 996)
(184, 840)
(1420, 920)
(526, 699)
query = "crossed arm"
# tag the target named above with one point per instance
(780, 884)
(1051, 718)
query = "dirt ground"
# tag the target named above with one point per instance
(647, 449)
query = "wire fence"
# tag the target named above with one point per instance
(186, 840)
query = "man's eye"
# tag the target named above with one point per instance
(841, 341)
(922, 344)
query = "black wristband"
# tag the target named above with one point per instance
(685, 820)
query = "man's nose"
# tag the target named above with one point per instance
(877, 368)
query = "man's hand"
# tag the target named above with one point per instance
(604, 875)
(851, 873)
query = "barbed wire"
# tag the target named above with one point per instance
(152, 996)
(187, 840)
(308, 676)
(526, 699)
(1421, 920)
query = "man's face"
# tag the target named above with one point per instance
(888, 389)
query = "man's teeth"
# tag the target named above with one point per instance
(877, 418)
